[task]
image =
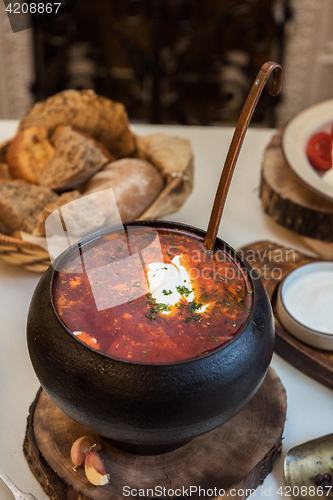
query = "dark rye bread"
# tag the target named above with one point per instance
(75, 159)
(103, 119)
(21, 204)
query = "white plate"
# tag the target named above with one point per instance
(295, 136)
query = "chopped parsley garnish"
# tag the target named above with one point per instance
(192, 307)
(155, 308)
(163, 307)
(137, 283)
(151, 316)
(183, 290)
(167, 293)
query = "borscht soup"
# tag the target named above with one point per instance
(152, 295)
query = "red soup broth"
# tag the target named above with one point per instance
(109, 299)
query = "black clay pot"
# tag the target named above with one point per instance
(147, 405)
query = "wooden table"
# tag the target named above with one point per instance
(310, 405)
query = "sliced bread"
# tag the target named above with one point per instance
(98, 116)
(75, 159)
(28, 153)
(21, 204)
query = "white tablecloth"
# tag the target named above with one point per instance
(310, 405)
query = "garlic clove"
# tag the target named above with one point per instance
(81, 448)
(95, 470)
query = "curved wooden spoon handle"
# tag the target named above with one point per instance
(236, 144)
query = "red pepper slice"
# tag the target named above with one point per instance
(319, 150)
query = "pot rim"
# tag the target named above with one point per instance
(150, 223)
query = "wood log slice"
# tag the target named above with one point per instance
(289, 202)
(238, 454)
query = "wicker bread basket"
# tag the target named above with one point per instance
(105, 122)
(176, 166)
(23, 253)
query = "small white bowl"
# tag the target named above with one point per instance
(305, 304)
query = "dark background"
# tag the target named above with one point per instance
(188, 62)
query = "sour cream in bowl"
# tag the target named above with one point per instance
(304, 304)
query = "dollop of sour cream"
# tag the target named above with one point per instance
(170, 283)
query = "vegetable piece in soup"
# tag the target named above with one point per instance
(153, 296)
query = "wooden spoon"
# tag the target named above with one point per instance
(236, 144)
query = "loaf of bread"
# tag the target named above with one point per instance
(28, 153)
(101, 118)
(135, 183)
(21, 204)
(75, 159)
